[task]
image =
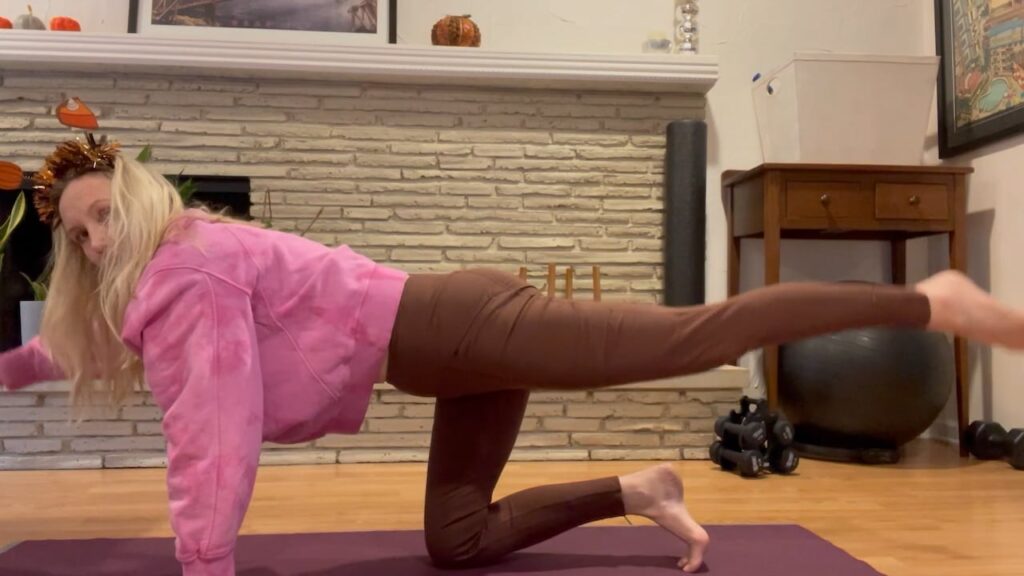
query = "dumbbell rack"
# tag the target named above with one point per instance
(754, 441)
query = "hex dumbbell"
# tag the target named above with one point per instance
(1015, 448)
(751, 435)
(748, 462)
(782, 431)
(757, 409)
(985, 440)
(990, 441)
(783, 460)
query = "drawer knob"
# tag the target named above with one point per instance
(915, 200)
(825, 199)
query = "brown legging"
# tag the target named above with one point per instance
(480, 340)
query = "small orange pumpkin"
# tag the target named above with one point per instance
(10, 176)
(5, 23)
(65, 23)
(455, 31)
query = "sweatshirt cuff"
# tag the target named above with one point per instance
(224, 566)
(26, 365)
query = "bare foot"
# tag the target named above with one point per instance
(657, 494)
(959, 306)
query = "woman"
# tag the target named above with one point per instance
(246, 335)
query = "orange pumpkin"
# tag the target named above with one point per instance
(10, 176)
(64, 23)
(5, 23)
(455, 31)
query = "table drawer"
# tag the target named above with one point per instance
(912, 201)
(827, 200)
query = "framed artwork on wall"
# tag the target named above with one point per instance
(320, 22)
(981, 80)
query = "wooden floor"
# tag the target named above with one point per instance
(934, 514)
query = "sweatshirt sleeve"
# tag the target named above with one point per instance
(27, 364)
(198, 342)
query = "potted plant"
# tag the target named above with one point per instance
(32, 310)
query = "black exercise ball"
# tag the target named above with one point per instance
(865, 388)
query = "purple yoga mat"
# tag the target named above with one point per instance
(762, 550)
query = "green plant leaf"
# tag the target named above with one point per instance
(39, 290)
(41, 286)
(146, 154)
(186, 190)
(17, 213)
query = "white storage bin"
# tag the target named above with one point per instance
(846, 109)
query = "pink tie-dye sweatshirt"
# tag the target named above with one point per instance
(247, 335)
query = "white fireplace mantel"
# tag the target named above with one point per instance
(69, 51)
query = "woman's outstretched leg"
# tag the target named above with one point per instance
(493, 324)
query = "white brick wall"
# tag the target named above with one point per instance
(427, 178)
(648, 421)
(422, 178)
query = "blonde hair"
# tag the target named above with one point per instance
(85, 307)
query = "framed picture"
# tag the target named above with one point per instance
(322, 22)
(981, 81)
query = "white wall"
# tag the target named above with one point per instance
(582, 26)
(96, 16)
(996, 223)
(751, 36)
(996, 235)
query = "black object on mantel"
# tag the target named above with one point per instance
(685, 212)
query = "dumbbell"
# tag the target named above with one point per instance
(783, 460)
(757, 409)
(990, 441)
(750, 406)
(751, 435)
(782, 431)
(1015, 448)
(734, 417)
(749, 462)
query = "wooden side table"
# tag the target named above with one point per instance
(833, 201)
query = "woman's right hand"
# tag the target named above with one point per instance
(4, 370)
(25, 365)
(9, 369)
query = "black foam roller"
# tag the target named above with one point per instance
(685, 212)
